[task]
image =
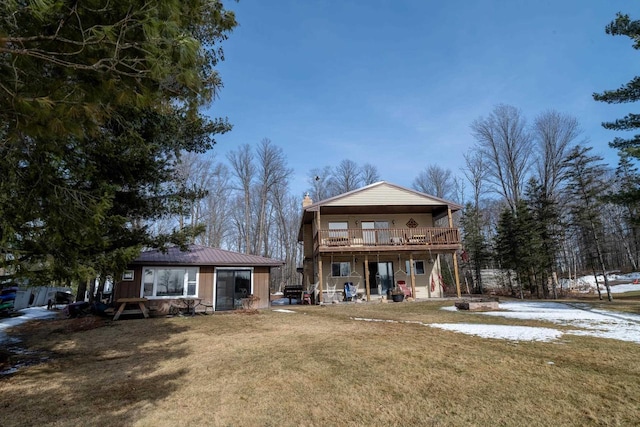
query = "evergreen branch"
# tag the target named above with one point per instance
(630, 121)
(627, 93)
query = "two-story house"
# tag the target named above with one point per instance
(375, 237)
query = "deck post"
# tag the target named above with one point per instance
(317, 217)
(320, 278)
(455, 256)
(412, 274)
(367, 285)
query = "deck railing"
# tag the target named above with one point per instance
(357, 237)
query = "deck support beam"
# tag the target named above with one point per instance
(366, 277)
(455, 256)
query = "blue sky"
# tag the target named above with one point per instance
(398, 83)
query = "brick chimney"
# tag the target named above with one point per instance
(306, 201)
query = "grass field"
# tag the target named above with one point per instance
(318, 366)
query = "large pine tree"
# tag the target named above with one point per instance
(475, 244)
(629, 92)
(585, 175)
(97, 100)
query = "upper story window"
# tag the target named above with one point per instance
(338, 229)
(375, 232)
(170, 282)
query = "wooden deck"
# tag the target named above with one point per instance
(392, 239)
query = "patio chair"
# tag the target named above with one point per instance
(405, 289)
(312, 290)
(350, 291)
(306, 298)
(331, 290)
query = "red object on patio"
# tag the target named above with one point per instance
(306, 298)
(405, 290)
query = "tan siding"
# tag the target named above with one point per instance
(308, 240)
(261, 286)
(205, 289)
(423, 220)
(384, 195)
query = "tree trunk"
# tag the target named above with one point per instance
(82, 290)
(601, 261)
(595, 275)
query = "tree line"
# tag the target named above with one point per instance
(557, 208)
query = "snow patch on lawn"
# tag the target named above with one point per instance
(589, 322)
(503, 332)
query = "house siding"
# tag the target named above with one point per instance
(396, 221)
(129, 288)
(384, 195)
(261, 286)
(160, 306)
(205, 289)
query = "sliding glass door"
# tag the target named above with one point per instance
(375, 232)
(231, 287)
(380, 277)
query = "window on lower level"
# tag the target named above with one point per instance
(340, 269)
(170, 282)
(418, 267)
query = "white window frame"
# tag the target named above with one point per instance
(185, 288)
(415, 269)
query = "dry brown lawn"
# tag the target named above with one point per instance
(317, 366)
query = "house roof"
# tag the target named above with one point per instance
(384, 194)
(203, 255)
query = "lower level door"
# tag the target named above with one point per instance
(380, 277)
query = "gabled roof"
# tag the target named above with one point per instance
(203, 255)
(383, 194)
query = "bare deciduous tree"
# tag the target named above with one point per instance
(369, 174)
(476, 173)
(320, 182)
(504, 142)
(553, 133)
(436, 181)
(288, 214)
(272, 173)
(194, 175)
(347, 177)
(217, 207)
(244, 170)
